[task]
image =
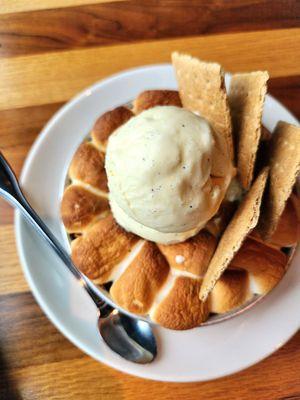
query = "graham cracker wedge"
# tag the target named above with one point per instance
(246, 99)
(284, 168)
(202, 90)
(243, 221)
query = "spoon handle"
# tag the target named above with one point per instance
(11, 192)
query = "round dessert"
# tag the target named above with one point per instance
(159, 166)
(169, 228)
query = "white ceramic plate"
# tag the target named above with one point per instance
(196, 355)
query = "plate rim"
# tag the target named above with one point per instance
(42, 303)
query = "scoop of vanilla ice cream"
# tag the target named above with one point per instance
(158, 166)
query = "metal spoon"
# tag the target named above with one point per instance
(131, 338)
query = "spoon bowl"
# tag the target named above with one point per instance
(131, 338)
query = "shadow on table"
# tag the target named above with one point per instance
(8, 390)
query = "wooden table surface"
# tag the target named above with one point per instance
(51, 49)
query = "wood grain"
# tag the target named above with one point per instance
(287, 90)
(129, 21)
(30, 324)
(54, 369)
(265, 383)
(58, 76)
(11, 275)
(50, 50)
(19, 128)
(12, 6)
